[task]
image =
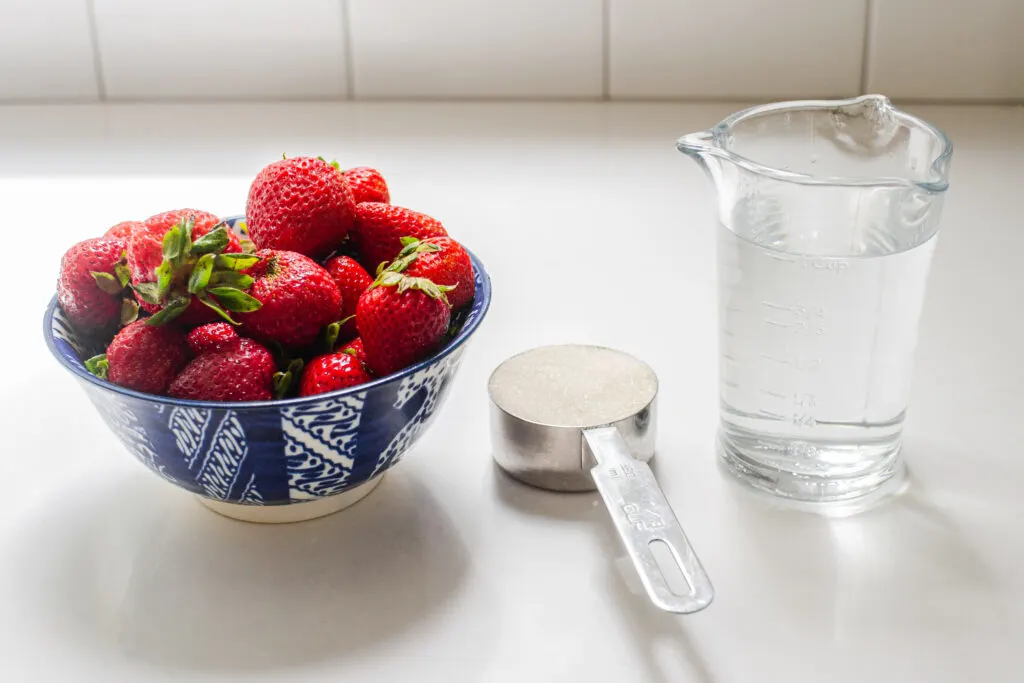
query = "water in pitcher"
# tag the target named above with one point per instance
(828, 215)
(816, 356)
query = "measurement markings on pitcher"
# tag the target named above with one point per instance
(802, 320)
(775, 394)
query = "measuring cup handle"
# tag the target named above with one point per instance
(642, 517)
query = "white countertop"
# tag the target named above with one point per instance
(451, 572)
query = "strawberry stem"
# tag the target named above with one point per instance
(283, 381)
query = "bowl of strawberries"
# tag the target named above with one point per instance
(275, 364)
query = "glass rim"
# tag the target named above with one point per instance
(707, 143)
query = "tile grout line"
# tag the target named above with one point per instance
(97, 58)
(865, 54)
(73, 100)
(606, 58)
(347, 51)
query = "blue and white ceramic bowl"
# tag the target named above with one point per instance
(275, 461)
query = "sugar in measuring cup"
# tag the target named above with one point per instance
(828, 216)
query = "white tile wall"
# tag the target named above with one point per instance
(471, 48)
(221, 48)
(947, 49)
(736, 48)
(664, 49)
(45, 50)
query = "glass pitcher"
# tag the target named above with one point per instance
(828, 217)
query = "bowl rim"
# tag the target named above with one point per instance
(483, 292)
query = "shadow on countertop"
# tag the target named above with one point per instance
(163, 581)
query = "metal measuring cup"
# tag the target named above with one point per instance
(576, 418)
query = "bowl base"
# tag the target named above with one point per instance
(296, 512)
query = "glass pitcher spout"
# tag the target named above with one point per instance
(859, 141)
(861, 166)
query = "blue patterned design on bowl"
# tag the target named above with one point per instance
(274, 452)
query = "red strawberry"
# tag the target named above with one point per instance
(355, 348)
(401, 320)
(379, 229)
(211, 337)
(300, 204)
(442, 260)
(352, 281)
(89, 289)
(142, 357)
(297, 299)
(367, 185)
(122, 230)
(194, 276)
(242, 370)
(331, 372)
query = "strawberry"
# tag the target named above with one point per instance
(352, 281)
(367, 185)
(379, 229)
(194, 278)
(241, 370)
(401, 320)
(142, 357)
(300, 204)
(331, 372)
(355, 348)
(144, 246)
(442, 260)
(91, 283)
(297, 298)
(211, 337)
(122, 231)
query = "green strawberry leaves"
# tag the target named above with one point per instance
(207, 300)
(175, 307)
(177, 244)
(98, 365)
(334, 163)
(411, 249)
(148, 292)
(124, 276)
(212, 242)
(201, 274)
(236, 261)
(171, 247)
(231, 279)
(106, 282)
(236, 300)
(129, 311)
(404, 283)
(228, 299)
(199, 269)
(164, 280)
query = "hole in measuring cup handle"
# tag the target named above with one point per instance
(669, 564)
